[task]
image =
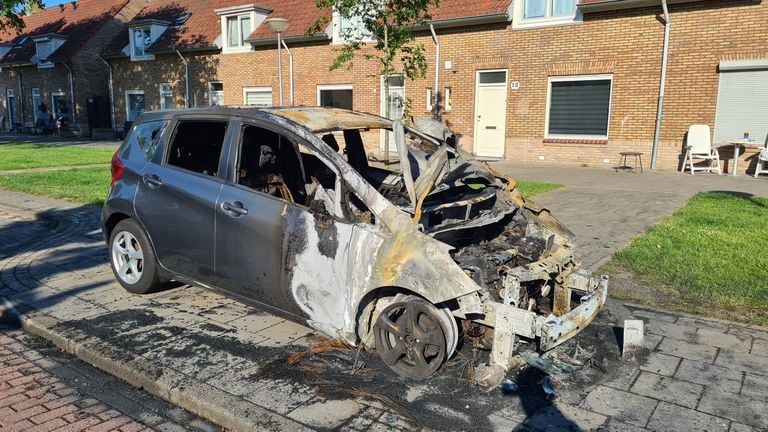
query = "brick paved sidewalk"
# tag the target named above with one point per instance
(41, 390)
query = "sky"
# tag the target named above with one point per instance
(49, 3)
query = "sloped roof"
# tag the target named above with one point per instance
(303, 13)
(200, 31)
(78, 23)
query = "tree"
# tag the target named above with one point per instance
(388, 26)
(12, 11)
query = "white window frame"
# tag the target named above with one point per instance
(430, 99)
(40, 63)
(54, 110)
(132, 42)
(256, 13)
(210, 92)
(577, 78)
(519, 21)
(321, 87)
(447, 98)
(338, 38)
(167, 92)
(36, 94)
(127, 99)
(242, 44)
(256, 89)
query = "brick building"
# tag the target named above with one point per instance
(54, 62)
(531, 80)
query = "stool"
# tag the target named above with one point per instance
(638, 159)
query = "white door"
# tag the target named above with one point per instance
(11, 109)
(490, 113)
(392, 107)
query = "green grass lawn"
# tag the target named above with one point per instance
(709, 258)
(85, 185)
(26, 155)
(529, 188)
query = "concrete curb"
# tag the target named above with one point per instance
(693, 316)
(226, 410)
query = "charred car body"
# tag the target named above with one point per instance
(280, 208)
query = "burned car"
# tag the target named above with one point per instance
(280, 208)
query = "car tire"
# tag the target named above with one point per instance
(132, 258)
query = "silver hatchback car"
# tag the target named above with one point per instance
(280, 208)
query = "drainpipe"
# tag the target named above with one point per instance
(111, 95)
(21, 101)
(72, 96)
(186, 79)
(290, 67)
(436, 92)
(660, 108)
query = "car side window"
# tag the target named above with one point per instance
(147, 137)
(197, 145)
(268, 163)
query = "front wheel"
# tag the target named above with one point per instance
(411, 337)
(132, 258)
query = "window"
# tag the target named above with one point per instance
(59, 104)
(166, 96)
(537, 13)
(197, 146)
(270, 164)
(350, 29)
(448, 97)
(147, 136)
(44, 49)
(579, 107)
(215, 93)
(257, 96)
(238, 30)
(141, 39)
(134, 104)
(742, 101)
(430, 98)
(37, 101)
(336, 96)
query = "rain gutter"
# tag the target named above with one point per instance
(186, 79)
(436, 92)
(662, 85)
(290, 67)
(111, 95)
(72, 96)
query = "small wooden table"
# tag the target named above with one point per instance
(623, 160)
(737, 144)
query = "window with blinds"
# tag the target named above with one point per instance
(256, 96)
(579, 107)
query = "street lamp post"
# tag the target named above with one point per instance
(279, 25)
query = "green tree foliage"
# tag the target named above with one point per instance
(12, 11)
(385, 24)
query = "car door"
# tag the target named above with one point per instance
(250, 211)
(176, 198)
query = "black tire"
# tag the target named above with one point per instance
(136, 267)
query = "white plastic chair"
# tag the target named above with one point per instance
(699, 146)
(762, 162)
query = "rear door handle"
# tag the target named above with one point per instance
(152, 180)
(234, 208)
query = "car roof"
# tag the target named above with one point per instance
(316, 119)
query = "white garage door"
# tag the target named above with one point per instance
(742, 105)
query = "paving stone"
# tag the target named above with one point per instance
(326, 413)
(651, 341)
(649, 315)
(499, 423)
(755, 387)
(281, 396)
(227, 312)
(738, 408)
(738, 427)
(562, 417)
(623, 406)
(748, 332)
(256, 321)
(672, 418)
(667, 389)
(760, 347)
(688, 350)
(614, 425)
(723, 340)
(661, 364)
(672, 330)
(703, 322)
(708, 374)
(749, 363)
(283, 333)
(237, 381)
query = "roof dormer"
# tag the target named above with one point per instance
(141, 35)
(237, 23)
(45, 46)
(4, 48)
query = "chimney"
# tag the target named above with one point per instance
(74, 4)
(61, 7)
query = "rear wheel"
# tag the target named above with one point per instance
(132, 259)
(413, 337)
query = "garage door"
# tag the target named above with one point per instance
(742, 102)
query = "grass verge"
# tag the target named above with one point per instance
(530, 188)
(26, 155)
(708, 258)
(85, 185)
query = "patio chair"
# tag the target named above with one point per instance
(762, 162)
(699, 146)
